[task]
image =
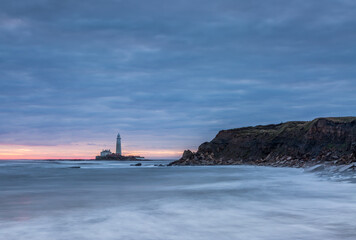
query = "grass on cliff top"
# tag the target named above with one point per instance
(272, 129)
(339, 119)
(292, 126)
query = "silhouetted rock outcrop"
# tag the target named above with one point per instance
(293, 144)
(137, 164)
(118, 157)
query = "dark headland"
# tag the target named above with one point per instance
(292, 144)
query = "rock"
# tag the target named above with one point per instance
(353, 147)
(75, 167)
(187, 154)
(351, 166)
(315, 168)
(137, 164)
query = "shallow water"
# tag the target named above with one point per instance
(113, 200)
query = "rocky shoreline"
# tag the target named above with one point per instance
(323, 141)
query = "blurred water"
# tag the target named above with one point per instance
(47, 200)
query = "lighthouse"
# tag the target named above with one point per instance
(118, 144)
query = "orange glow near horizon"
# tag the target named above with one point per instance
(74, 151)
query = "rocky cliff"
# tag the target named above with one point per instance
(293, 144)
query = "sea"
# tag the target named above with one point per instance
(111, 200)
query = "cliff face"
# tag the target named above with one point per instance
(294, 144)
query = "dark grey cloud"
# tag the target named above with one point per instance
(170, 73)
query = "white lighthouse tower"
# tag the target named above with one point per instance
(118, 144)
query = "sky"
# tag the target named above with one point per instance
(167, 75)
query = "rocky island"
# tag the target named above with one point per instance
(106, 154)
(119, 157)
(292, 144)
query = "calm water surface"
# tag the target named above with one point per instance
(47, 200)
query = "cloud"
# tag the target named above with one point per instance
(169, 73)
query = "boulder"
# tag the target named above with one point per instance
(137, 164)
(349, 167)
(315, 168)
